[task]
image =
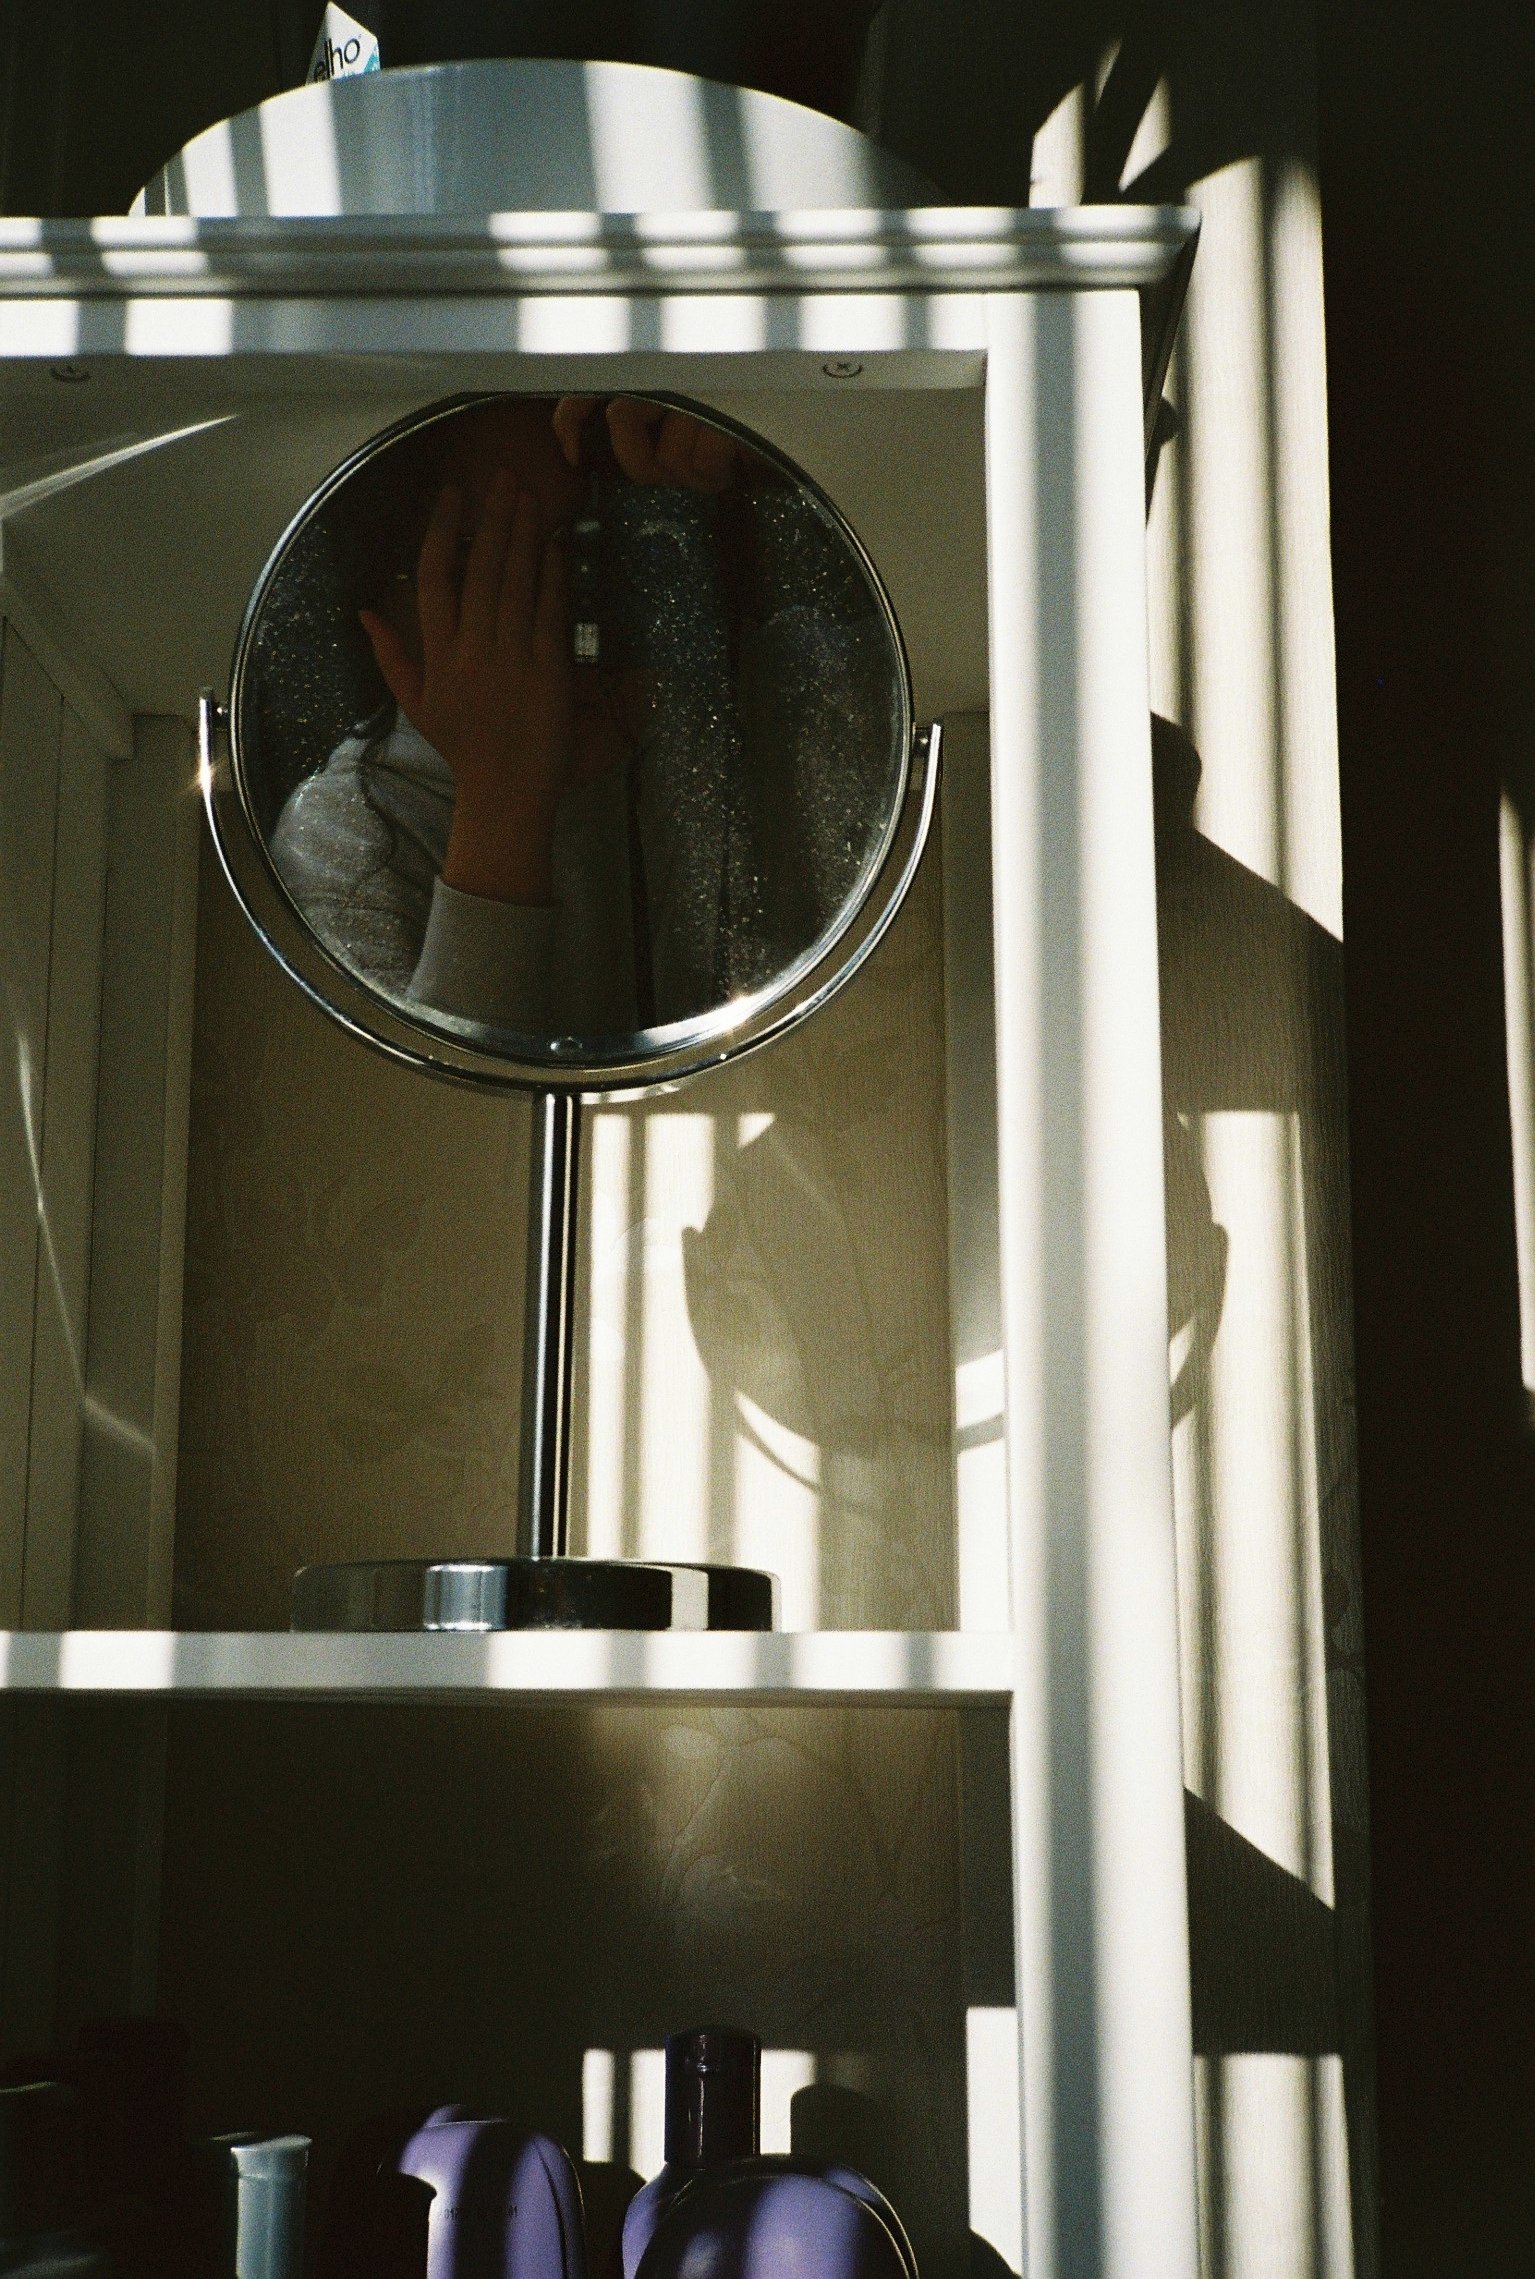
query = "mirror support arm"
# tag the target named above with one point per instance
(549, 1326)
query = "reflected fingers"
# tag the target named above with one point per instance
(632, 426)
(571, 414)
(502, 534)
(676, 445)
(519, 577)
(401, 676)
(436, 594)
(655, 443)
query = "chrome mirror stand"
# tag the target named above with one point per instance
(542, 1587)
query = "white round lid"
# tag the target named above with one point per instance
(532, 136)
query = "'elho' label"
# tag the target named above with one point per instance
(344, 47)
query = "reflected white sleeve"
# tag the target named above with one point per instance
(486, 961)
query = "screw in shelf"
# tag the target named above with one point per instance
(842, 368)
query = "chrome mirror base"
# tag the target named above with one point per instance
(486, 1595)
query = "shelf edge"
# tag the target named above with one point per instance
(953, 1666)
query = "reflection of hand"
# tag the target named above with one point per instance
(491, 687)
(654, 443)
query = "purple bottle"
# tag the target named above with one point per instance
(713, 2116)
(505, 2205)
(718, 2191)
(765, 2219)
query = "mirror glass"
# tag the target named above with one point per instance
(575, 731)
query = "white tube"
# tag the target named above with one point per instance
(269, 2224)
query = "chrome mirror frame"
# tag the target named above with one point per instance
(445, 1046)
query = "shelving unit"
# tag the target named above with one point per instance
(278, 343)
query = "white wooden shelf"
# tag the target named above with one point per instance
(979, 248)
(962, 1668)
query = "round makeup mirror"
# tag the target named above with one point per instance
(569, 744)
(570, 747)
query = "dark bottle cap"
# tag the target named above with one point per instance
(713, 2096)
